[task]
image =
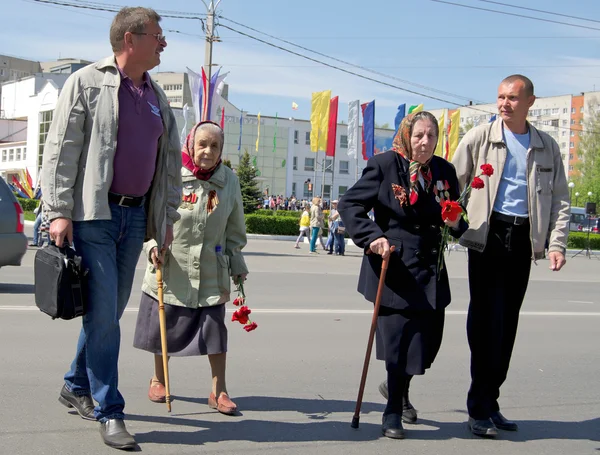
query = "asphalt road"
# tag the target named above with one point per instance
(295, 378)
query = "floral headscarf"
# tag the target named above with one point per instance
(187, 155)
(401, 145)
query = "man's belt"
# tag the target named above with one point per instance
(126, 201)
(510, 219)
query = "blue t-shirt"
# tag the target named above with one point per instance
(511, 198)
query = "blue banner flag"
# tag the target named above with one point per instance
(399, 116)
(368, 111)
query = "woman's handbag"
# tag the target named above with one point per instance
(60, 282)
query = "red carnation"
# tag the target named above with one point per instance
(451, 210)
(477, 183)
(241, 315)
(239, 301)
(487, 169)
(250, 327)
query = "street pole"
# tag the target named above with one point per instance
(210, 37)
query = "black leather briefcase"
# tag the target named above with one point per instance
(60, 282)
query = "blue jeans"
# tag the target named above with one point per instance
(313, 238)
(339, 243)
(36, 228)
(110, 249)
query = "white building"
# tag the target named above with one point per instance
(175, 86)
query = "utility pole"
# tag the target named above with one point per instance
(211, 7)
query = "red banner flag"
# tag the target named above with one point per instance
(222, 118)
(332, 131)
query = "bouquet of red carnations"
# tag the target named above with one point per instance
(242, 314)
(451, 210)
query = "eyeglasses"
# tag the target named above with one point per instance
(160, 38)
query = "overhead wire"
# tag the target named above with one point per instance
(104, 7)
(361, 67)
(540, 11)
(516, 15)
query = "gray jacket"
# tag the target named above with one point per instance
(77, 169)
(548, 193)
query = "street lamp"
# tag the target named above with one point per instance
(571, 186)
(576, 196)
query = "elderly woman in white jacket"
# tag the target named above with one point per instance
(205, 253)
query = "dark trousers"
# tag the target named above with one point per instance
(498, 279)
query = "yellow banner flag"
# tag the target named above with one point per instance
(439, 149)
(453, 130)
(258, 134)
(319, 120)
(416, 108)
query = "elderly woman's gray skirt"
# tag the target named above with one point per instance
(190, 331)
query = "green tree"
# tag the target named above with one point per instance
(385, 126)
(247, 175)
(464, 129)
(587, 171)
(228, 164)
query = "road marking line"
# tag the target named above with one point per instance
(578, 301)
(334, 311)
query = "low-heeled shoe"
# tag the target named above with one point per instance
(224, 404)
(115, 435)
(484, 427)
(157, 392)
(83, 404)
(501, 422)
(409, 413)
(392, 426)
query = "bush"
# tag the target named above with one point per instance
(28, 205)
(578, 241)
(285, 213)
(274, 225)
(288, 213)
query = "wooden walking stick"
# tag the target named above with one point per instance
(163, 334)
(363, 379)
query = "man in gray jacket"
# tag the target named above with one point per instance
(111, 179)
(524, 203)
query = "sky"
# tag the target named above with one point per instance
(427, 46)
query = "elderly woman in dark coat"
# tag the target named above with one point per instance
(405, 187)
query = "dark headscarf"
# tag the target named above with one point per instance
(187, 154)
(401, 145)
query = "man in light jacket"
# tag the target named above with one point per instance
(524, 203)
(111, 179)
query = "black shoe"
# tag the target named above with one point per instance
(392, 426)
(409, 413)
(501, 422)
(83, 404)
(484, 428)
(115, 435)
(330, 252)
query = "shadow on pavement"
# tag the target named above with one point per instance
(323, 429)
(314, 408)
(266, 431)
(16, 288)
(529, 430)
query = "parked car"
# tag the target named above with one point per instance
(592, 225)
(578, 219)
(13, 241)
